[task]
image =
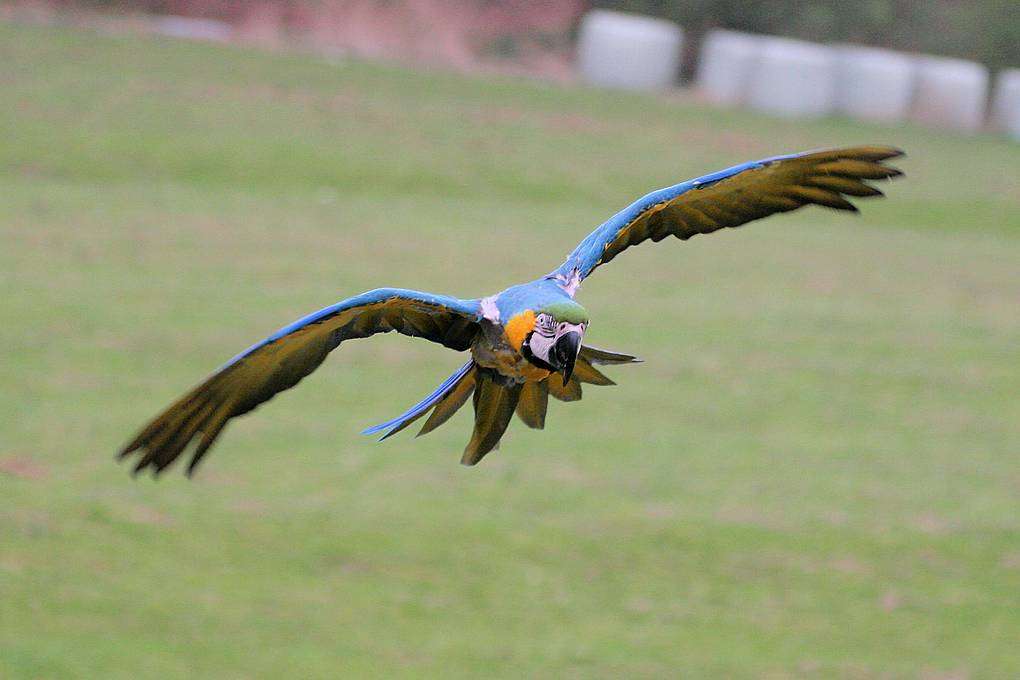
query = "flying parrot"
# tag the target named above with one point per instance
(527, 342)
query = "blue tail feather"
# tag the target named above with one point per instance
(425, 404)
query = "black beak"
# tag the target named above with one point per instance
(566, 349)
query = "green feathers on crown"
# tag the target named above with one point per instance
(566, 310)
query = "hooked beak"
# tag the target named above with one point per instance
(566, 349)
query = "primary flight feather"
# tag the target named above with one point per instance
(525, 342)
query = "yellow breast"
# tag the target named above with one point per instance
(518, 327)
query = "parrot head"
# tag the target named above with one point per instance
(555, 339)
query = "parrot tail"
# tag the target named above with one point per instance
(497, 398)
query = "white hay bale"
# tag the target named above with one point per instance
(874, 85)
(726, 64)
(950, 93)
(191, 28)
(628, 51)
(1006, 107)
(793, 79)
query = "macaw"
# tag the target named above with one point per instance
(525, 343)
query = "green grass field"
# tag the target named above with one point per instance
(815, 473)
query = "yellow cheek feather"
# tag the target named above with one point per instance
(518, 328)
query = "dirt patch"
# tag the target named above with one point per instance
(890, 601)
(931, 523)
(931, 674)
(1011, 560)
(849, 565)
(23, 467)
(143, 514)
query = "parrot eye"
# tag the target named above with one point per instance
(545, 325)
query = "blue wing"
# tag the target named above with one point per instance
(284, 358)
(392, 301)
(735, 196)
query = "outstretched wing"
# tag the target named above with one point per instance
(280, 361)
(733, 197)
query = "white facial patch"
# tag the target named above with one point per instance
(565, 328)
(541, 345)
(547, 332)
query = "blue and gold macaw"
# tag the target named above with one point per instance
(525, 342)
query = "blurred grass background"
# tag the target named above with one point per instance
(814, 474)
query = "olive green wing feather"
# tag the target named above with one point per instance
(733, 197)
(495, 401)
(283, 359)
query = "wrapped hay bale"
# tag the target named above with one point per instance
(725, 66)
(950, 93)
(1006, 107)
(793, 79)
(628, 51)
(873, 84)
(192, 28)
